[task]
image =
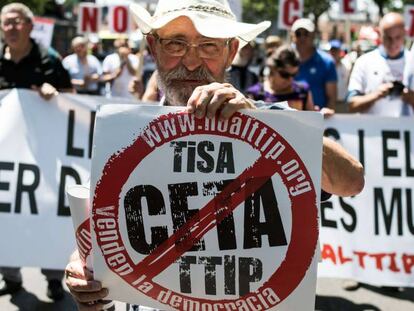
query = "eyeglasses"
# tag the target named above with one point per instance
(13, 22)
(206, 49)
(303, 33)
(286, 75)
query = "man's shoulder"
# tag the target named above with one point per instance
(324, 57)
(369, 56)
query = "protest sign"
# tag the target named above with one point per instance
(42, 31)
(289, 11)
(409, 20)
(348, 7)
(203, 214)
(45, 146)
(369, 237)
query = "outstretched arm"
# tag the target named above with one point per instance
(342, 174)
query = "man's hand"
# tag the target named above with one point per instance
(85, 290)
(408, 96)
(136, 87)
(383, 90)
(46, 90)
(222, 98)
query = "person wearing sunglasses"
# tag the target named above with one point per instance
(279, 84)
(317, 68)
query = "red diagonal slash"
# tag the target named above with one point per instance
(208, 217)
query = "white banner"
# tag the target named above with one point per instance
(203, 214)
(45, 146)
(370, 237)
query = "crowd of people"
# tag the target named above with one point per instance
(294, 70)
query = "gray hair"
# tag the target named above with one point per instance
(18, 8)
(79, 40)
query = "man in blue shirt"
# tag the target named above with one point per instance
(317, 68)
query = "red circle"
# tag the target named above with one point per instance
(304, 235)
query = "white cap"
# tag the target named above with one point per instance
(303, 23)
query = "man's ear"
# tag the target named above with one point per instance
(233, 48)
(151, 44)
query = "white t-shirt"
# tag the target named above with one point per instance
(77, 70)
(373, 69)
(120, 85)
(343, 72)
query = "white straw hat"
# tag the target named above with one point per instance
(211, 18)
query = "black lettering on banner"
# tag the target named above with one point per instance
(380, 209)
(229, 275)
(206, 166)
(332, 133)
(407, 143)
(225, 158)
(91, 130)
(5, 186)
(178, 154)
(410, 212)
(210, 264)
(185, 263)
(66, 171)
(191, 157)
(361, 135)
(70, 149)
(325, 222)
(350, 227)
(133, 213)
(273, 227)
(389, 153)
(226, 232)
(29, 188)
(199, 155)
(250, 270)
(180, 212)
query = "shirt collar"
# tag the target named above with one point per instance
(383, 53)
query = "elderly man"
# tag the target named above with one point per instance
(193, 42)
(317, 68)
(24, 63)
(85, 70)
(377, 80)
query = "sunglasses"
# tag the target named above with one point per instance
(286, 75)
(303, 33)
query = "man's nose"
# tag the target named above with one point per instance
(191, 60)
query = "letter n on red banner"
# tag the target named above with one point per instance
(89, 18)
(409, 20)
(289, 11)
(119, 19)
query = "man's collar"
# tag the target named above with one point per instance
(384, 54)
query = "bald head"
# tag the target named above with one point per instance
(391, 20)
(392, 33)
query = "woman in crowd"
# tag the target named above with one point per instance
(278, 85)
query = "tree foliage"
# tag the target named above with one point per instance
(37, 6)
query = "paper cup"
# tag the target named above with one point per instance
(78, 197)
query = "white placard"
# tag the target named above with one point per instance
(43, 30)
(409, 20)
(163, 181)
(119, 20)
(347, 7)
(289, 11)
(89, 18)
